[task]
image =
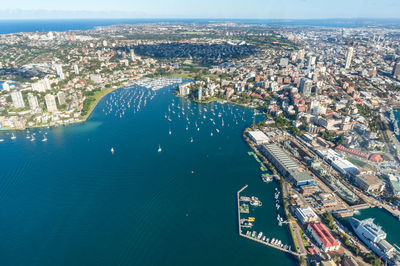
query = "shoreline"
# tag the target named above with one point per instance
(107, 91)
(83, 119)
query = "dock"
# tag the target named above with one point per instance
(258, 240)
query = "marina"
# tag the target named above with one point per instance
(259, 237)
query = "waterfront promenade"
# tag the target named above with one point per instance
(258, 240)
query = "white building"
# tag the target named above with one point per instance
(42, 85)
(51, 103)
(258, 137)
(200, 94)
(96, 78)
(59, 71)
(5, 86)
(33, 101)
(17, 99)
(61, 98)
(340, 164)
(184, 89)
(307, 215)
(349, 56)
(76, 69)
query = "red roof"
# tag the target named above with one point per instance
(312, 250)
(323, 234)
(376, 158)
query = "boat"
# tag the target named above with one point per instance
(266, 178)
(1, 140)
(13, 136)
(112, 150)
(191, 139)
(259, 235)
(159, 148)
(44, 138)
(375, 238)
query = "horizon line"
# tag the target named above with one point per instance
(201, 18)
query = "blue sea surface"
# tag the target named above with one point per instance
(71, 201)
(45, 25)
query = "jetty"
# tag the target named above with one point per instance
(260, 240)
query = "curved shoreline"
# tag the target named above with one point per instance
(82, 119)
(107, 91)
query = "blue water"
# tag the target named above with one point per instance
(37, 25)
(70, 201)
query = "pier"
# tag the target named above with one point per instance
(259, 240)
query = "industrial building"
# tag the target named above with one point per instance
(369, 182)
(322, 236)
(286, 165)
(340, 164)
(258, 137)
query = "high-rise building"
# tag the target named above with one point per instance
(61, 98)
(59, 71)
(184, 89)
(349, 56)
(33, 101)
(17, 99)
(50, 103)
(42, 85)
(396, 71)
(76, 69)
(200, 93)
(132, 54)
(305, 87)
(300, 55)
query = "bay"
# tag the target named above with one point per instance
(71, 201)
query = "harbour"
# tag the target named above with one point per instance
(124, 199)
(260, 238)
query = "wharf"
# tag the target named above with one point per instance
(258, 240)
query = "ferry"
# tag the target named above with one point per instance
(375, 238)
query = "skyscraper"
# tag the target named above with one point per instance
(50, 103)
(305, 87)
(17, 99)
(132, 54)
(59, 71)
(33, 102)
(76, 69)
(200, 93)
(396, 71)
(349, 56)
(61, 98)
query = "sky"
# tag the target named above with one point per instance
(245, 9)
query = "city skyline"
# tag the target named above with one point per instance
(253, 9)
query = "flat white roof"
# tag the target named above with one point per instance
(259, 136)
